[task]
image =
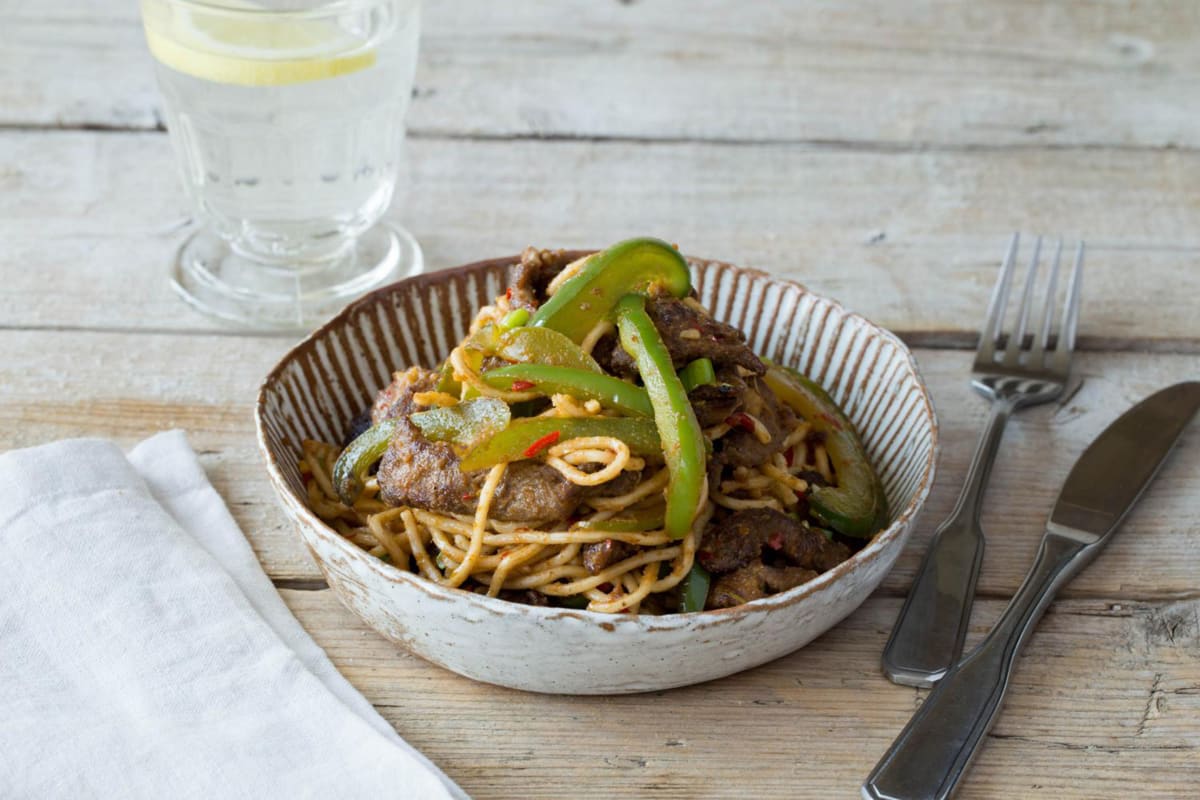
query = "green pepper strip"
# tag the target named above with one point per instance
(464, 424)
(511, 443)
(693, 593)
(698, 373)
(629, 522)
(682, 439)
(350, 470)
(528, 345)
(857, 506)
(583, 384)
(446, 382)
(515, 318)
(630, 266)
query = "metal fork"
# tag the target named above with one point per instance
(928, 636)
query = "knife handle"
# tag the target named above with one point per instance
(931, 754)
(928, 636)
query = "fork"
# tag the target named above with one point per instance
(928, 636)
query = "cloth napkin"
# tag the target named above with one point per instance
(145, 654)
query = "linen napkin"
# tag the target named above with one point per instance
(144, 653)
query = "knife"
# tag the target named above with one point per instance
(933, 752)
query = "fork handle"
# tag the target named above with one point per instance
(930, 756)
(929, 633)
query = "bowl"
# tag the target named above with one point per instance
(333, 374)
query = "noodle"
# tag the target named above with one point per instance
(563, 457)
(598, 332)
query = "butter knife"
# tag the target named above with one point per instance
(933, 752)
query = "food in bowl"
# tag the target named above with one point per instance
(598, 440)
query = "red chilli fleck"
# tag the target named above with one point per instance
(508, 293)
(541, 444)
(740, 420)
(520, 385)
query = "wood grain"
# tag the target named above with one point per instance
(90, 221)
(131, 385)
(879, 152)
(1102, 704)
(867, 72)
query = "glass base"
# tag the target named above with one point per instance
(220, 281)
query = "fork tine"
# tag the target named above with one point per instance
(1041, 339)
(1012, 353)
(986, 351)
(1066, 340)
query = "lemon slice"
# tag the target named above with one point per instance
(252, 49)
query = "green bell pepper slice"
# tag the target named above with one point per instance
(529, 437)
(464, 424)
(682, 439)
(857, 506)
(528, 345)
(514, 319)
(590, 296)
(697, 373)
(446, 382)
(351, 468)
(581, 383)
(628, 522)
(693, 590)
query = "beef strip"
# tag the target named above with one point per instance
(745, 536)
(533, 274)
(723, 344)
(599, 556)
(624, 483)
(716, 402)
(424, 474)
(396, 399)
(754, 581)
(741, 448)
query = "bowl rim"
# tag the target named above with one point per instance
(608, 622)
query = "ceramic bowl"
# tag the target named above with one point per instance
(334, 373)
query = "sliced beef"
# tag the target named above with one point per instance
(716, 402)
(624, 483)
(533, 274)
(599, 556)
(424, 474)
(396, 399)
(740, 447)
(746, 536)
(754, 581)
(688, 334)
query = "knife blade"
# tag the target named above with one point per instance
(933, 752)
(1098, 493)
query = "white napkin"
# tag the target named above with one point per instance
(144, 653)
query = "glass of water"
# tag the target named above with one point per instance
(287, 120)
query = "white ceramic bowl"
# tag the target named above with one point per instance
(334, 373)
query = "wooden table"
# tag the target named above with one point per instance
(878, 151)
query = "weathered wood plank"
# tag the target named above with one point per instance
(89, 222)
(127, 386)
(1102, 704)
(937, 72)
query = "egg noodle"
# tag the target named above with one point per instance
(487, 555)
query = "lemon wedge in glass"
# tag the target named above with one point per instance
(246, 45)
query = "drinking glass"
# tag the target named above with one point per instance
(287, 121)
